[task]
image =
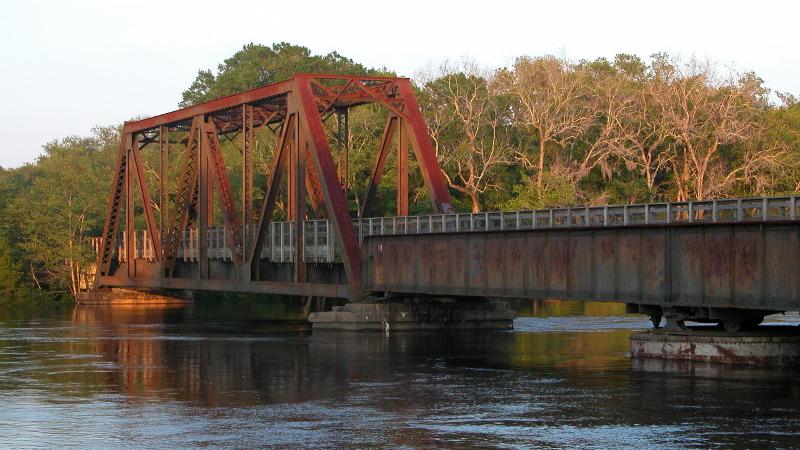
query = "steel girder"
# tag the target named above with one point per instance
(295, 109)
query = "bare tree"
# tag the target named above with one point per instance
(550, 99)
(469, 127)
(605, 105)
(702, 114)
(641, 139)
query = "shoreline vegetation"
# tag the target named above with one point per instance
(545, 132)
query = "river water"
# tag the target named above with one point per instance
(222, 374)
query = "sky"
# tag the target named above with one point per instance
(67, 66)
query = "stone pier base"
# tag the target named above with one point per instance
(415, 316)
(133, 297)
(778, 347)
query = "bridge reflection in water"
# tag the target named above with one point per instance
(197, 376)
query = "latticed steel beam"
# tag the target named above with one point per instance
(343, 142)
(233, 226)
(247, 165)
(335, 204)
(296, 107)
(402, 169)
(130, 218)
(111, 225)
(185, 198)
(163, 202)
(266, 92)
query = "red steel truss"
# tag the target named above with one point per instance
(295, 109)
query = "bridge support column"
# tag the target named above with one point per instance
(780, 347)
(416, 315)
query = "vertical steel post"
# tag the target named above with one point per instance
(108, 242)
(210, 192)
(329, 241)
(247, 172)
(291, 176)
(343, 141)
(130, 218)
(204, 203)
(300, 151)
(185, 204)
(163, 149)
(402, 168)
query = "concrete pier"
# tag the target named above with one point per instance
(133, 297)
(778, 346)
(395, 316)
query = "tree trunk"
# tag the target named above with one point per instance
(473, 198)
(540, 170)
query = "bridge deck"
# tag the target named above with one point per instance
(706, 256)
(320, 246)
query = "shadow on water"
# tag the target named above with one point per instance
(220, 374)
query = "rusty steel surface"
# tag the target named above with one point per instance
(296, 109)
(737, 265)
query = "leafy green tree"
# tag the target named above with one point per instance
(558, 190)
(780, 132)
(10, 270)
(64, 207)
(257, 65)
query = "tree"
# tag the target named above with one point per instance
(606, 102)
(10, 270)
(779, 134)
(469, 125)
(705, 117)
(640, 141)
(64, 206)
(257, 65)
(549, 99)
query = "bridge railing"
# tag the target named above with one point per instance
(320, 246)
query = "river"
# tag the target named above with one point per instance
(227, 374)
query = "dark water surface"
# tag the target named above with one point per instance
(212, 375)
